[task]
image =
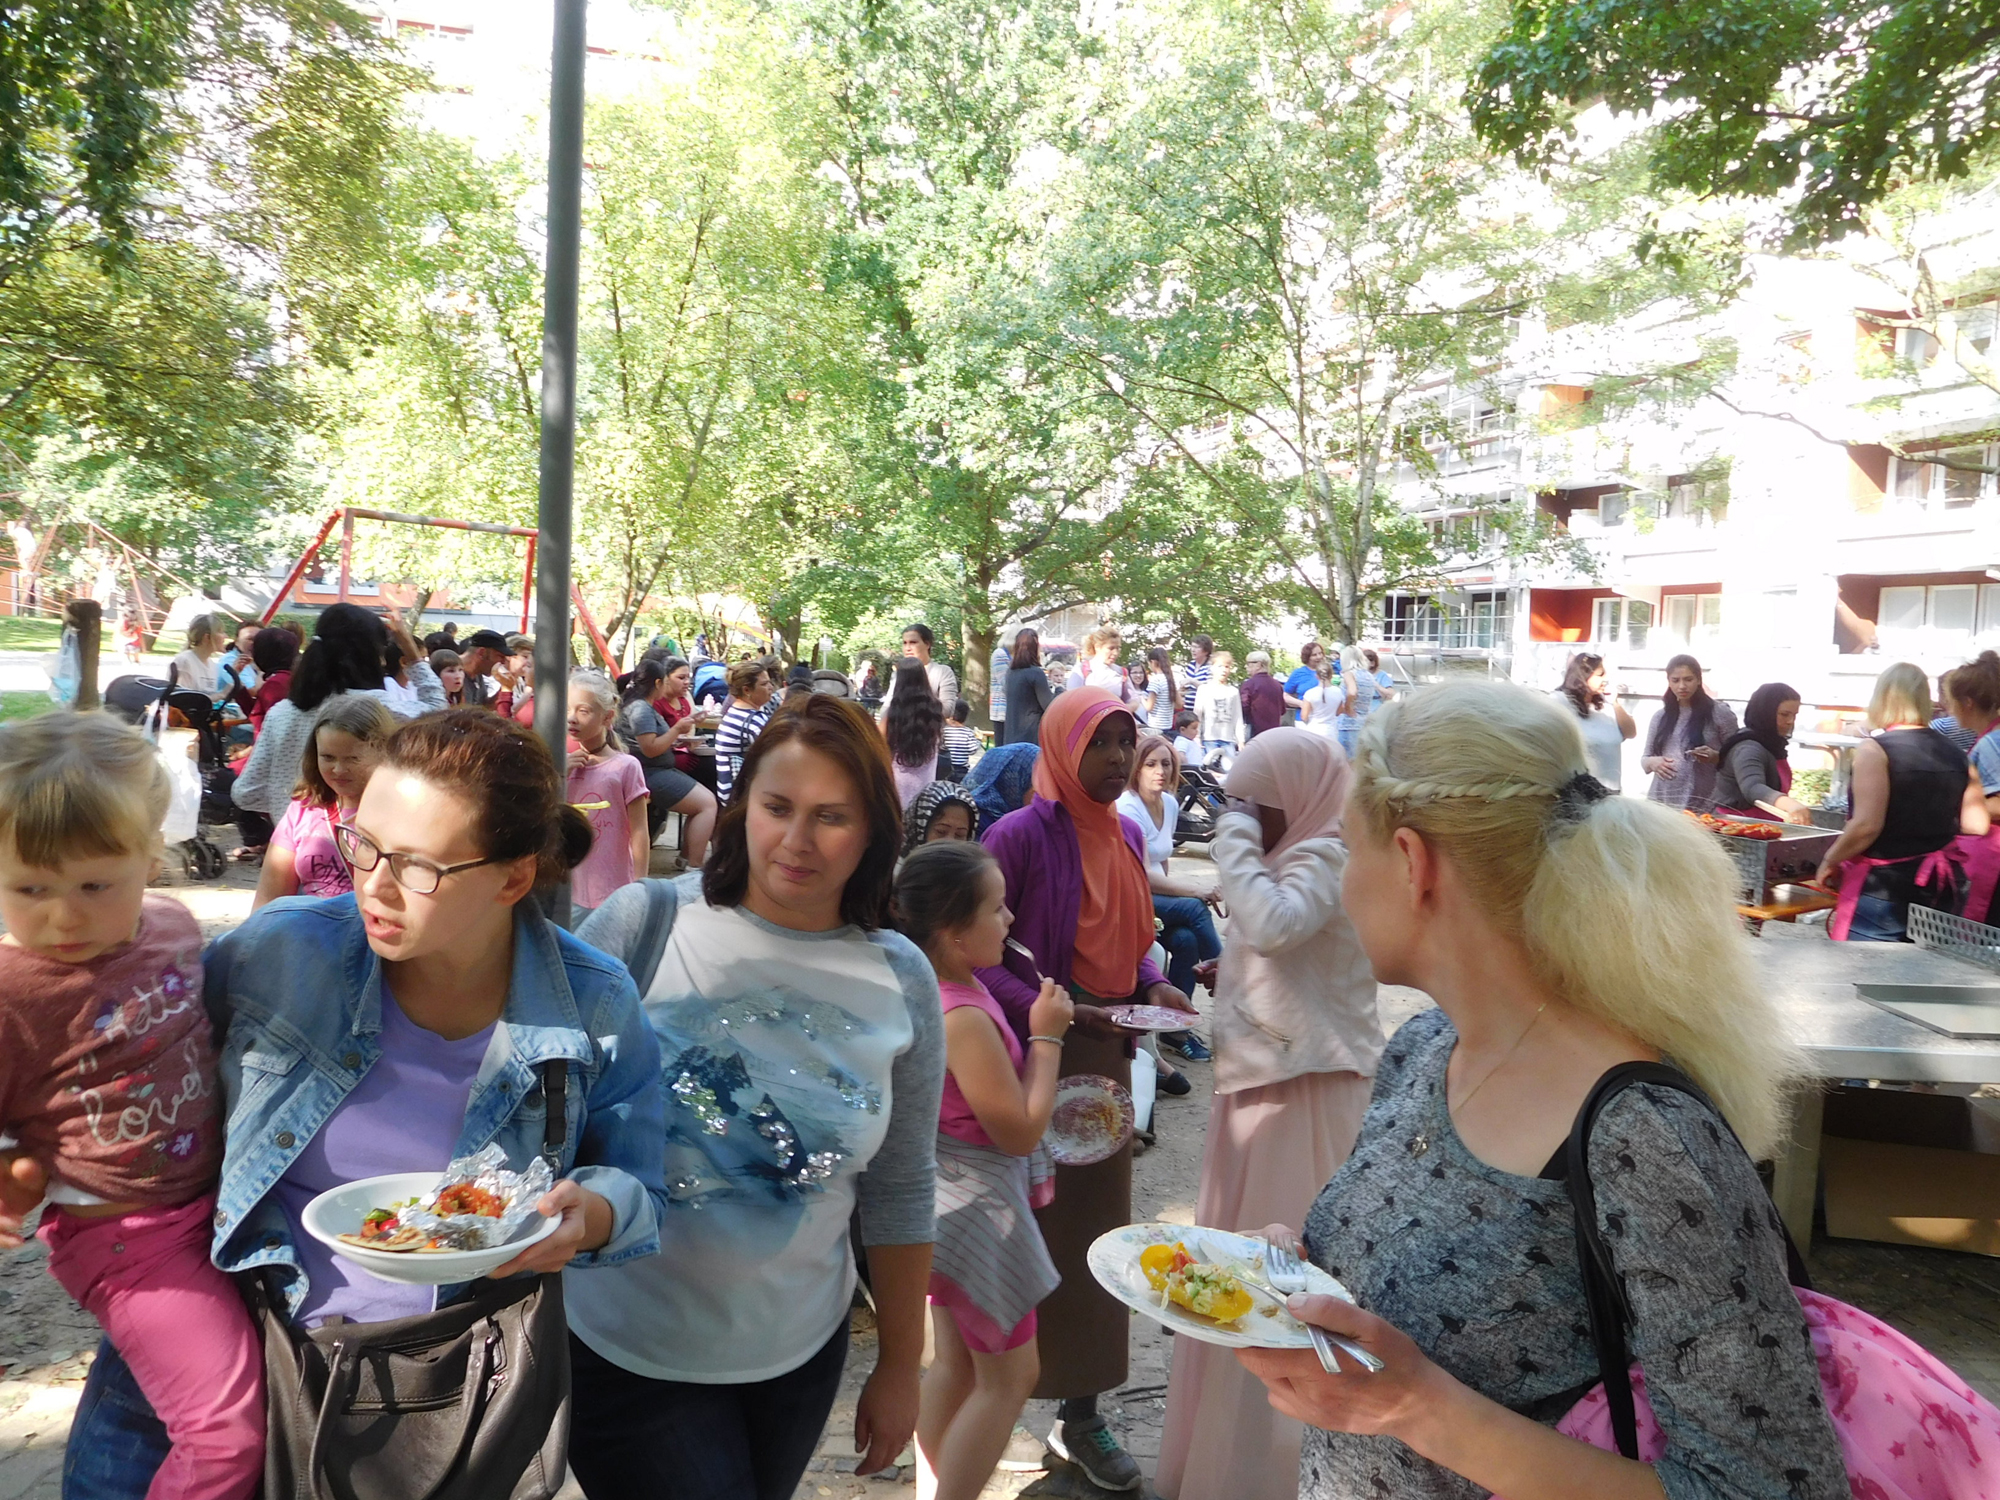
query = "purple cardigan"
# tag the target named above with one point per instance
(1038, 854)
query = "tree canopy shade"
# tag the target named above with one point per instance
(1838, 101)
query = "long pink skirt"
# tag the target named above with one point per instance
(1270, 1150)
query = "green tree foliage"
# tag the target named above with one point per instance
(187, 221)
(1016, 492)
(1290, 242)
(1831, 105)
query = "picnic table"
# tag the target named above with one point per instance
(1847, 1038)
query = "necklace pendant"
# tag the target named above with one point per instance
(1419, 1144)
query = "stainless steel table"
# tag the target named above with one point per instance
(1813, 982)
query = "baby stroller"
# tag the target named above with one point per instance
(145, 703)
(711, 683)
(1201, 801)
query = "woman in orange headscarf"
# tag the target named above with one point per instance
(1076, 881)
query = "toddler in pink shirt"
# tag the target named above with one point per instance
(108, 1088)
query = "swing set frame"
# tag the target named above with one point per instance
(347, 515)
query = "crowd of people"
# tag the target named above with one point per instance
(1916, 825)
(837, 1035)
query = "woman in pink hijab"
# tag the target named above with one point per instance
(1297, 1038)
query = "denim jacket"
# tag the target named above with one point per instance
(296, 992)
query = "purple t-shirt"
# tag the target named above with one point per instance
(308, 832)
(602, 793)
(405, 1115)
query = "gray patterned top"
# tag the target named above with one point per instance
(1479, 1267)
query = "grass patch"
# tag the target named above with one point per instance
(24, 705)
(26, 633)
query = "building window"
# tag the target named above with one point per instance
(1692, 620)
(1918, 346)
(1622, 622)
(1916, 482)
(1477, 621)
(1938, 618)
(1703, 500)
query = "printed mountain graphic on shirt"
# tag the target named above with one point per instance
(759, 1112)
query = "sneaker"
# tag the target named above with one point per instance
(1176, 1084)
(1091, 1447)
(1187, 1045)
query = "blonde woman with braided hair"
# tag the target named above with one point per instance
(1539, 912)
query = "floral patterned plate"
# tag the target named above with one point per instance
(1093, 1117)
(1114, 1260)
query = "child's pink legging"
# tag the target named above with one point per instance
(181, 1327)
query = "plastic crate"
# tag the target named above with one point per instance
(1956, 937)
(1751, 858)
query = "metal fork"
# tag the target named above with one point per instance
(1287, 1274)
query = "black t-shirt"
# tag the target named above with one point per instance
(1927, 776)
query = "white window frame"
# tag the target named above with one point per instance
(1631, 623)
(1929, 604)
(1918, 483)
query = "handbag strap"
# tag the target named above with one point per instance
(1603, 1288)
(652, 944)
(555, 1124)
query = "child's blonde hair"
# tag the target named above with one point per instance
(79, 785)
(366, 719)
(1627, 908)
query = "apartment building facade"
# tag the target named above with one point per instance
(1790, 523)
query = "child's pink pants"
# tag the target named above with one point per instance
(181, 1327)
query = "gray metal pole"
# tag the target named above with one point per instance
(558, 467)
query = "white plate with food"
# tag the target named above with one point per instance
(1149, 1018)
(1205, 1283)
(359, 1223)
(1093, 1118)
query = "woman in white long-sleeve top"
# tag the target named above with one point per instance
(1297, 1038)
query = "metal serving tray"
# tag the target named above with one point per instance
(1969, 1012)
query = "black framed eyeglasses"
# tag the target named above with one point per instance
(414, 873)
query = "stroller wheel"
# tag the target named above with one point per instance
(208, 861)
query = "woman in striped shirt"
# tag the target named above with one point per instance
(750, 689)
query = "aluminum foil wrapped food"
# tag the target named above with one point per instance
(481, 1202)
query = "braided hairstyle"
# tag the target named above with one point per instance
(1625, 908)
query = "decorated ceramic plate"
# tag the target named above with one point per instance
(1093, 1117)
(1209, 1268)
(1150, 1018)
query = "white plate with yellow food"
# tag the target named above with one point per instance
(1205, 1283)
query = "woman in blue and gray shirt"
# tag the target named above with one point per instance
(804, 1060)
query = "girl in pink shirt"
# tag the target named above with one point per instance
(989, 1267)
(108, 1097)
(609, 788)
(341, 753)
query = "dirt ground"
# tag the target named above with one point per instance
(1948, 1302)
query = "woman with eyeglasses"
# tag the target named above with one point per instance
(411, 1022)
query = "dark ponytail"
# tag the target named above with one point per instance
(506, 774)
(937, 889)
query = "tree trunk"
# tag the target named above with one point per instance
(976, 637)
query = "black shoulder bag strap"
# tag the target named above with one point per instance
(1603, 1289)
(652, 935)
(555, 1101)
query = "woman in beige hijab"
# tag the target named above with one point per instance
(1296, 1042)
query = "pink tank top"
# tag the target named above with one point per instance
(955, 1116)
